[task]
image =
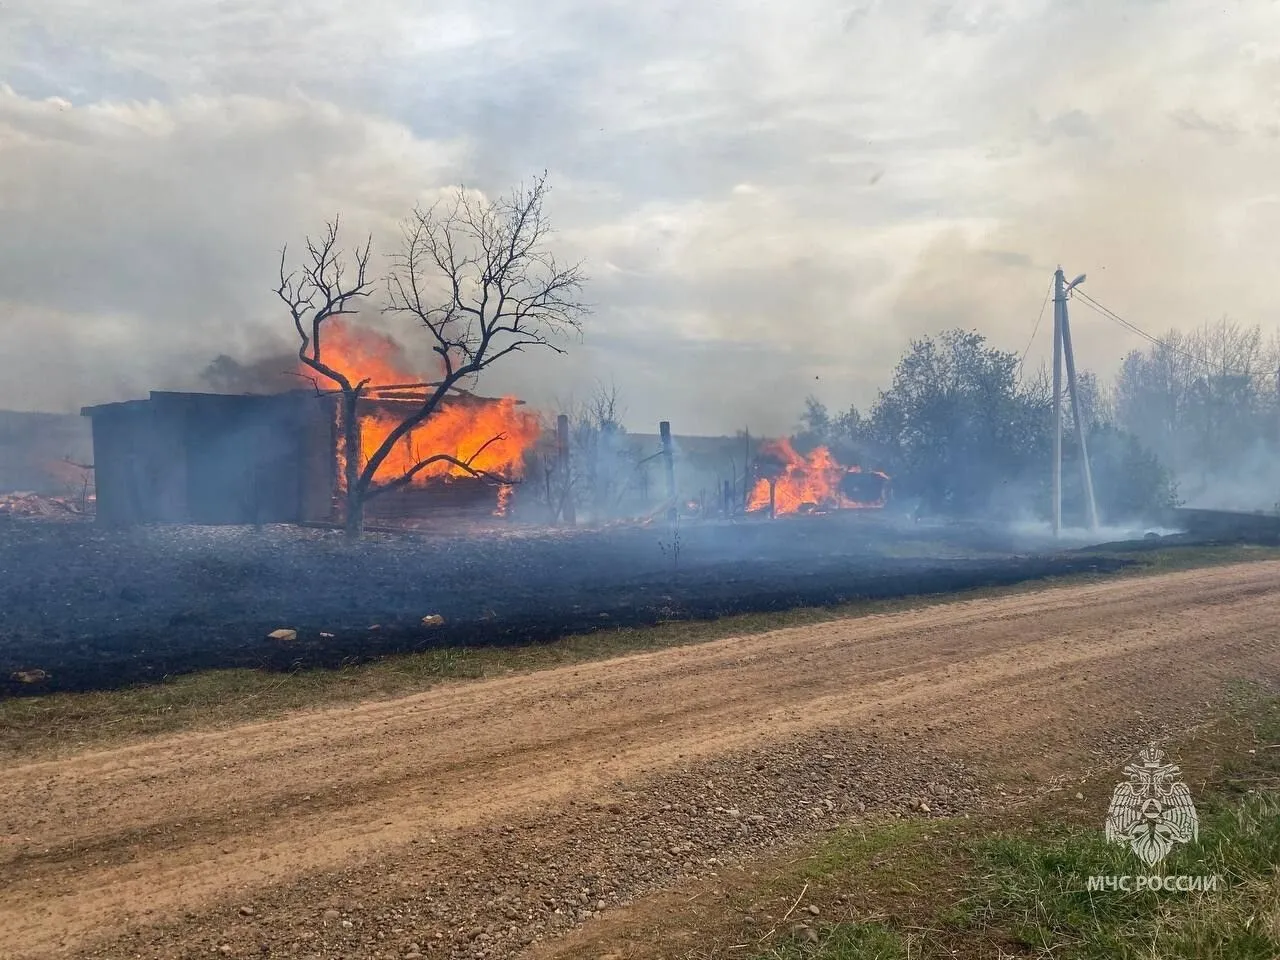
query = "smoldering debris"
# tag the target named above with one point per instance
(29, 504)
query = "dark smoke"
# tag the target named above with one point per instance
(273, 374)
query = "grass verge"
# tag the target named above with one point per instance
(40, 726)
(1016, 886)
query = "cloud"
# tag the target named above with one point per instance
(764, 193)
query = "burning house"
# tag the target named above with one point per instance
(222, 458)
(238, 459)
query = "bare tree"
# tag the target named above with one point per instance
(477, 276)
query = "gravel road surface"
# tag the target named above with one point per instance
(480, 818)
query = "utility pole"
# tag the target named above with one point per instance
(1061, 345)
(1086, 475)
(1278, 396)
(1059, 303)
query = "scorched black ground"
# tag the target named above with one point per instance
(92, 608)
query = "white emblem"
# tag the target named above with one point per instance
(1153, 811)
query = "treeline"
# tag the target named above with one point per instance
(965, 432)
(1205, 403)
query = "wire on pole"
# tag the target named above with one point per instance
(1111, 315)
(1036, 329)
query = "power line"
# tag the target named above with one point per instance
(1036, 329)
(1110, 314)
(1133, 328)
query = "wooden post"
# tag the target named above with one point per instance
(546, 477)
(732, 491)
(773, 500)
(669, 466)
(746, 474)
(562, 465)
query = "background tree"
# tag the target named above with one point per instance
(963, 434)
(1129, 480)
(845, 434)
(602, 463)
(1206, 403)
(477, 277)
(955, 424)
(601, 460)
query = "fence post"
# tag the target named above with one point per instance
(562, 464)
(669, 466)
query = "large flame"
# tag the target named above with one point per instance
(489, 435)
(814, 482)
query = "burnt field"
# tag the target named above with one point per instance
(86, 608)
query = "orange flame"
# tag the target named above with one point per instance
(814, 482)
(358, 353)
(491, 436)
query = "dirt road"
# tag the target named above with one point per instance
(180, 830)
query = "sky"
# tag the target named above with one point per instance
(770, 199)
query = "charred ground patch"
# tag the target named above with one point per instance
(94, 609)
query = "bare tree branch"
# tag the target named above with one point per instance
(474, 273)
(319, 290)
(303, 376)
(407, 477)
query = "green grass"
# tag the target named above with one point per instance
(848, 941)
(1016, 886)
(864, 844)
(43, 725)
(1031, 891)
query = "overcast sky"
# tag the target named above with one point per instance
(772, 198)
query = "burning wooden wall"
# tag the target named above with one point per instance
(490, 434)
